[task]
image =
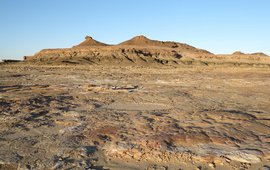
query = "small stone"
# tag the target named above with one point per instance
(244, 157)
(266, 167)
(201, 168)
(212, 165)
(198, 168)
(227, 160)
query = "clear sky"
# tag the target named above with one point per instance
(220, 26)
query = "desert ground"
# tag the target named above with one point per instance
(134, 117)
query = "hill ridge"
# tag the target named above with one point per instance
(141, 50)
(89, 41)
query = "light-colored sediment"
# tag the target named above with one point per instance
(79, 117)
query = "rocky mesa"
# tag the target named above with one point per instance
(141, 50)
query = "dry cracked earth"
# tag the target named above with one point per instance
(93, 117)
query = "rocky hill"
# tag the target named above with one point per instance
(140, 50)
(89, 41)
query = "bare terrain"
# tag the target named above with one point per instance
(93, 117)
(141, 104)
(143, 51)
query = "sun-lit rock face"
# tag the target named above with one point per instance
(90, 42)
(141, 50)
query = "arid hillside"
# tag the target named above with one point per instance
(141, 50)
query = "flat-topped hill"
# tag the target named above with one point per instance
(141, 50)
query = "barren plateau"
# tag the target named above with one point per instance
(126, 117)
(141, 104)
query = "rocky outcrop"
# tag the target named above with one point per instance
(140, 50)
(246, 58)
(89, 42)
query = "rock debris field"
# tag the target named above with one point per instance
(134, 117)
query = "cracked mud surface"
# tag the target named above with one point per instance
(134, 118)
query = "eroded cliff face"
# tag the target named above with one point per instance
(141, 50)
(117, 54)
(138, 50)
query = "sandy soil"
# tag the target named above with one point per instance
(93, 117)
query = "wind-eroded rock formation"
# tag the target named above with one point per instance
(89, 41)
(142, 50)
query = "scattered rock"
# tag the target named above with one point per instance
(266, 167)
(212, 165)
(244, 157)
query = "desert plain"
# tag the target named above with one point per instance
(134, 116)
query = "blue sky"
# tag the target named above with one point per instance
(220, 26)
